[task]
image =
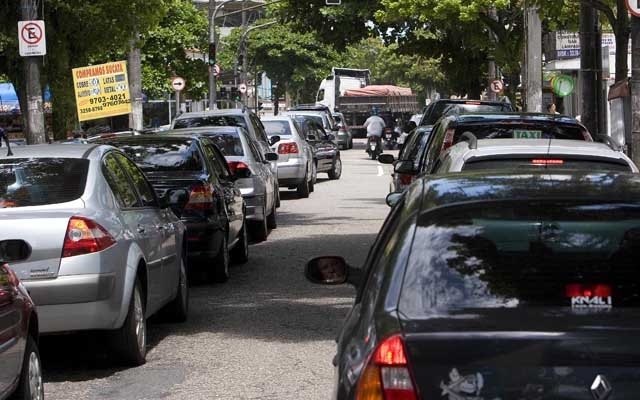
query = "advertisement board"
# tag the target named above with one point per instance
(102, 90)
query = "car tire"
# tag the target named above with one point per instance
(219, 272)
(259, 230)
(130, 341)
(272, 218)
(311, 185)
(314, 175)
(30, 386)
(277, 194)
(178, 309)
(303, 188)
(350, 144)
(336, 169)
(240, 253)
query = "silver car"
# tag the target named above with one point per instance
(106, 253)
(296, 168)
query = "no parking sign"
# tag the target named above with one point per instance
(31, 38)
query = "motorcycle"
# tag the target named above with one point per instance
(374, 146)
(390, 138)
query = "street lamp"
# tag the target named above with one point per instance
(212, 50)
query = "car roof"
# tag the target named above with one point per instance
(490, 117)
(488, 147)
(280, 117)
(54, 150)
(464, 187)
(201, 129)
(221, 111)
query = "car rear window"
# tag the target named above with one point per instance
(212, 120)
(229, 143)
(280, 128)
(163, 154)
(523, 254)
(555, 162)
(522, 130)
(438, 109)
(42, 181)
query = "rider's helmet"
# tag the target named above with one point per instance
(374, 110)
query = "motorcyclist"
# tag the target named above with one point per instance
(375, 126)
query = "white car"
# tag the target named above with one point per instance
(514, 154)
(296, 169)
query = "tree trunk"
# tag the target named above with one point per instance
(621, 32)
(135, 85)
(635, 91)
(589, 74)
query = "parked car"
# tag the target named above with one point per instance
(496, 286)
(410, 153)
(344, 136)
(242, 117)
(472, 154)
(106, 252)
(326, 152)
(296, 168)
(320, 114)
(435, 110)
(20, 365)
(251, 172)
(215, 211)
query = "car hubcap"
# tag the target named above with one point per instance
(35, 378)
(140, 326)
(338, 166)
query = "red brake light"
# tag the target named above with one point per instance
(387, 376)
(587, 290)
(406, 179)
(288, 148)
(11, 276)
(234, 166)
(546, 162)
(448, 139)
(200, 198)
(85, 236)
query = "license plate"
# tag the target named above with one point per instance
(526, 134)
(388, 136)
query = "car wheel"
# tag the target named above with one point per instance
(130, 341)
(303, 188)
(277, 193)
(272, 219)
(311, 183)
(219, 272)
(178, 309)
(314, 175)
(259, 230)
(30, 386)
(350, 144)
(336, 169)
(240, 253)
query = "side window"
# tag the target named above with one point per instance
(256, 153)
(433, 146)
(119, 182)
(145, 190)
(261, 133)
(217, 161)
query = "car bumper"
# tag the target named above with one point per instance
(77, 302)
(255, 208)
(343, 140)
(199, 237)
(291, 173)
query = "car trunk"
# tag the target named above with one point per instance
(557, 356)
(44, 232)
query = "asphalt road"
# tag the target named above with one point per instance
(265, 334)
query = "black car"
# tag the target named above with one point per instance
(409, 154)
(496, 286)
(440, 107)
(326, 153)
(214, 213)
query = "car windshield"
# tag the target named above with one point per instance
(41, 181)
(229, 143)
(280, 128)
(496, 129)
(211, 120)
(163, 154)
(520, 254)
(588, 163)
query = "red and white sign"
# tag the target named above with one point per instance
(242, 88)
(177, 83)
(634, 7)
(216, 70)
(31, 38)
(497, 86)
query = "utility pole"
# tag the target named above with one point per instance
(590, 75)
(243, 73)
(491, 58)
(135, 83)
(533, 59)
(635, 90)
(213, 11)
(34, 115)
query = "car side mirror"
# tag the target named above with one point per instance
(404, 167)
(386, 158)
(393, 198)
(176, 199)
(271, 156)
(12, 250)
(273, 140)
(332, 270)
(312, 137)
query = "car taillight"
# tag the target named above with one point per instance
(387, 375)
(406, 179)
(234, 166)
(587, 290)
(12, 278)
(200, 198)
(288, 148)
(85, 236)
(543, 161)
(448, 139)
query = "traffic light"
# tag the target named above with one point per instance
(235, 95)
(240, 64)
(223, 92)
(212, 53)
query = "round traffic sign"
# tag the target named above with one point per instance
(177, 83)
(496, 86)
(31, 33)
(562, 85)
(242, 88)
(634, 7)
(216, 70)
